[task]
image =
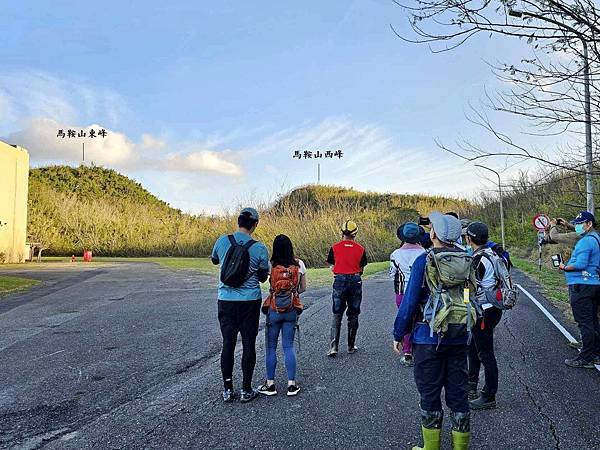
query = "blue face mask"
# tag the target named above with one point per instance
(469, 251)
(579, 228)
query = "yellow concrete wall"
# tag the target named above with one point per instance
(14, 185)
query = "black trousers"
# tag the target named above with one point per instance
(239, 317)
(482, 350)
(585, 299)
(444, 368)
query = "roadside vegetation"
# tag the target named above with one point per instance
(71, 209)
(556, 193)
(10, 285)
(551, 281)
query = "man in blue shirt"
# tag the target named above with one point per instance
(239, 307)
(581, 273)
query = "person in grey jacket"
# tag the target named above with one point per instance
(553, 236)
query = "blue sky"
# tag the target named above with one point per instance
(205, 102)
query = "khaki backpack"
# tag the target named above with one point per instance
(451, 310)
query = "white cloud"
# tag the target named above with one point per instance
(29, 94)
(150, 142)
(373, 160)
(40, 138)
(117, 150)
(204, 161)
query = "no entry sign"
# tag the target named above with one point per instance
(541, 222)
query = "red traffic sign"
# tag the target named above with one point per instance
(541, 222)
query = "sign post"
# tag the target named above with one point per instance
(541, 222)
(541, 237)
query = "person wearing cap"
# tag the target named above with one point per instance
(581, 273)
(440, 361)
(497, 248)
(401, 261)
(481, 350)
(347, 260)
(464, 223)
(239, 307)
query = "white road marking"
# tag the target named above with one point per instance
(46, 356)
(552, 319)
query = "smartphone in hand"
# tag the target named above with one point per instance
(424, 221)
(557, 260)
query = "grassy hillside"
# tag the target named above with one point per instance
(99, 209)
(95, 208)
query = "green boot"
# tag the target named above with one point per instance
(432, 438)
(461, 430)
(460, 441)
(431, 427)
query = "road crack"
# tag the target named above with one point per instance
(532, 399)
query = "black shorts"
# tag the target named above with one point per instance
(239, 317)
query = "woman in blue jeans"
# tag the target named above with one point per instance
(283, 255)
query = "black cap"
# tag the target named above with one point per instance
(478, 231)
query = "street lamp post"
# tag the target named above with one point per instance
(501, 202)
(589, 167)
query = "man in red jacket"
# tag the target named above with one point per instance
(347, 259)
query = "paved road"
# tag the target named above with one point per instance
(127, 357)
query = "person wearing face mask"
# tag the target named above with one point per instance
(581, 273)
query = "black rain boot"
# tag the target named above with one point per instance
(352, 330)
(473, 394)
(484, 401)
(336, 325)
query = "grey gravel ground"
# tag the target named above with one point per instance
(127, 357)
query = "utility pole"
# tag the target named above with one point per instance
(319, 173)
(589, 168)
(501, 202)
(589, 157)
(83, 153)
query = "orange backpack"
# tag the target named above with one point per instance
(283, 296)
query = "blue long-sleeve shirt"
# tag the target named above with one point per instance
(585, 258)
(415, 295)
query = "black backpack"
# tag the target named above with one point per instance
(234, 271)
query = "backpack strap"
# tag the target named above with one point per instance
(436, 300)
(595, 238)
(246, 245)
(489, 258)
(249, 244)
(598, 242)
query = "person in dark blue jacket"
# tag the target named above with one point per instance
(440, 361)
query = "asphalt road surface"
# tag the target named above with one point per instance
(127, 357)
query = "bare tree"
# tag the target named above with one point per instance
(548, 89)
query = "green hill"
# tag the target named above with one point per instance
(99, 209)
